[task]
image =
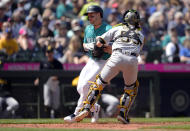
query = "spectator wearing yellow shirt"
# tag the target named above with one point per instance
(84, 8)
(8, 44)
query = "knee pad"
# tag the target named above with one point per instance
(131, 90)
(127, 99)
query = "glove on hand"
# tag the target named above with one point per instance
(98, 51)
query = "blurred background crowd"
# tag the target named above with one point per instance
(27, 27)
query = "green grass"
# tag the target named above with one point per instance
(102, 120)
(31, 121)
(46, 129)
(49, 121)
(35, 129)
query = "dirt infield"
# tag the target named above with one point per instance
(113, 126)
(82, 126)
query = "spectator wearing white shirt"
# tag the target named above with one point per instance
(173, 49)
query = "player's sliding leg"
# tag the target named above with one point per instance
(92, 97)
(126, 101)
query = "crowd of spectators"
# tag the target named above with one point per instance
(27, 27)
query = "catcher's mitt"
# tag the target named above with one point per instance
(98, 51)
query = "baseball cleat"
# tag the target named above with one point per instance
(82, 115)
(95, 115)
(70, 118)
(121, 118)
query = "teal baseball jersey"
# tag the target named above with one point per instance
(91, 34)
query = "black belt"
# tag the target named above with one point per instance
(125, 52)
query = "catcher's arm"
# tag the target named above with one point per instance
(106, 47)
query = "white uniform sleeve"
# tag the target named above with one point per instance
(108, 36)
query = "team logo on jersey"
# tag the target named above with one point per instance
(90, 40)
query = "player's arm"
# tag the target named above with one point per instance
(101, 43)
(104, 41)
(37, 80)
(105, 38)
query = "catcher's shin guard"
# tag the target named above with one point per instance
(128, 98)
(94, 92)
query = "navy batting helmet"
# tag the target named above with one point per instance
(94, 8)
(131, 17)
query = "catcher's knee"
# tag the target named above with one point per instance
(131, 90)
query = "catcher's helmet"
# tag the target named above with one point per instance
(94, 8)
(131, 17)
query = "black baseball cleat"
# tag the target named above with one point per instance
(121, 118)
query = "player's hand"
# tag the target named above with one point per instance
(108, 49)
(99, 44)
(36, 82)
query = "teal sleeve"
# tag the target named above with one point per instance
(60, 10)
(166, 40)
(85, 41)
(108, 27)
(181, 39)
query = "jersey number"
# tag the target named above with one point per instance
(127, 36)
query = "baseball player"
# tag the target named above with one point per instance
(51, 90)
(6, 97)
(127, 43)
(96, 62)
(111, 103)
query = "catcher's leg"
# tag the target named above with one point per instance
(126, 101)
(92, 97)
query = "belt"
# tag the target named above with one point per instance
(126, 52)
